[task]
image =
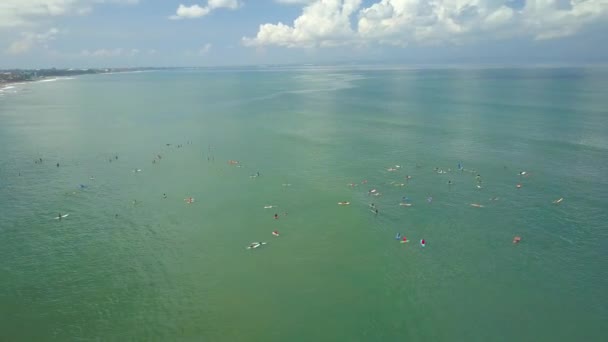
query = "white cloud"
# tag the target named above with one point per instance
(294, 2)
(205, 49)
(15, 13)
(196, 11)
(402, 22)
(115, 52)
(29, 40)
(231, 4)
(103, 53)
(323, 22)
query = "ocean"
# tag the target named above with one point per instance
(134, 261)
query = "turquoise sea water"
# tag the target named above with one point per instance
(164, 270)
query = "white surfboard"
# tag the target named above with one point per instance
(62, 216)
(256, 245)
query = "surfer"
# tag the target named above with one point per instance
(57, 164)
(164, 196)
(398, 236)
(275, 233)
(376, 212)
(404, 240)
(422, 243)
(59, 217)
(276, 216)
(516, 239)
(430, 199)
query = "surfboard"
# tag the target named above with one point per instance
(256, 245)
(343, 203)
(62, 216)
(275, 234)
(269, 206)
(405, 204)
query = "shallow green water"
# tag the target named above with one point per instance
(165, 270)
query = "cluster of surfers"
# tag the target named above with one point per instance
(405, 201)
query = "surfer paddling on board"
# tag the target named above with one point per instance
(61, 216)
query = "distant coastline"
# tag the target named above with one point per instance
(15, 76)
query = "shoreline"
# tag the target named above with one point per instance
(9, 78)
(11, 84)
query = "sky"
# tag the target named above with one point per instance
(137, 33)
